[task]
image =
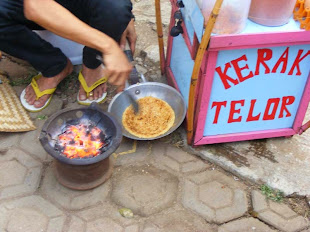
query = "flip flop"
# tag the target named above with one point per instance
(38, 93)
(89, 89)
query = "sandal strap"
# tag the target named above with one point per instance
(87, 88)
(36, 89)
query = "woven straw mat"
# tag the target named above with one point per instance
(13, 117)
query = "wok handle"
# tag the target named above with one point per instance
(134, 75)
(143, 79)
(128, 52)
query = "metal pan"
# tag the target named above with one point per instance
(154, 89)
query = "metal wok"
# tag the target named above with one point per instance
(154, 89)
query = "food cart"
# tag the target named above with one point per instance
(250, 85)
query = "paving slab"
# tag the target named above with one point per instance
(144, 189)
(215, 196)
(177, 219)
(31, 213)
(246, 225)
(31, 144)
(132, 152)
(278, 215)
(281, 163)
(175, 160)
(76, 225)
(19, 174)
(72, 199)
(102, 216)
(8, 140)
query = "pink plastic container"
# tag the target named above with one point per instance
(271, 12)
(232, 17)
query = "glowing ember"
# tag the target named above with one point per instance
(81, 141)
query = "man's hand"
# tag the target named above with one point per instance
(130, 35)
(117, 65)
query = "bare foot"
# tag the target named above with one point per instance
(91, 76)
(46, 83)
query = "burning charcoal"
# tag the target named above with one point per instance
(80, 141)
(93, 138)
(91, 126)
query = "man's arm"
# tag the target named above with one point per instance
(57, 19)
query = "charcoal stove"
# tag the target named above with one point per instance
(81, 173)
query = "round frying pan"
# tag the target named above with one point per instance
(154, 89)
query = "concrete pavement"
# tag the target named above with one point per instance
(166, 188)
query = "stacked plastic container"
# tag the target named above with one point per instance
(232, 18)
(234, 13)
(271, 12)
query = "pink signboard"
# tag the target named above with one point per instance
(254, 91)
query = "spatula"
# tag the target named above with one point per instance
(133, 79)
(132, 101)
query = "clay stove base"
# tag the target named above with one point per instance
(83, 177)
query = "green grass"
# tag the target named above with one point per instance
(272, 194)
(69, 84)
(22, 81)
(41, 117)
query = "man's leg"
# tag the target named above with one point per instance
(109, 16)
(17, 39)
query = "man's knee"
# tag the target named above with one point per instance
(4, 19)
(120, 8)
(3, 12)
(111, 16)
(10, 11)
(117, 11)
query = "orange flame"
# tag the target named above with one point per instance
(80, 142)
